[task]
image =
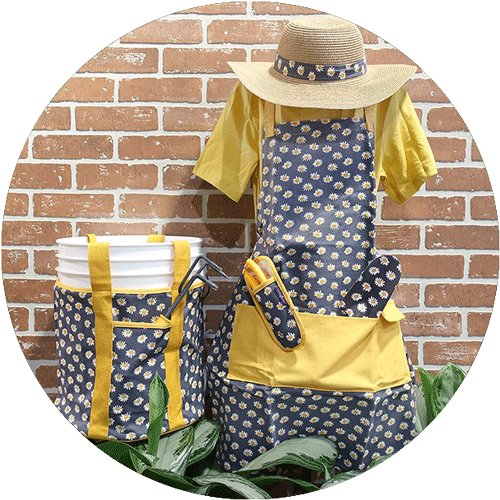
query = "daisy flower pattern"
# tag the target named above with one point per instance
(319, 231)
(138, 353)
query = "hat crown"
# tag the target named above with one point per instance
(325, 40)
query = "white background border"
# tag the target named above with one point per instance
(44, 43)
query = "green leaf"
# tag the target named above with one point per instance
(446, 384)
(169, 478)
(206, 434)
(174, 450)
(158, 402)
(421, 423)
(271, 480)
(340, 478)
(427, 383)
(378, 461)
(236, 483)
(207, 465)
(315, 453)
(125, 454)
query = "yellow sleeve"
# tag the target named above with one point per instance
(232, 152)
(403, 157)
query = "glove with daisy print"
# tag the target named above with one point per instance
(374, 288)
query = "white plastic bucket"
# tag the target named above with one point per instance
(134, 263)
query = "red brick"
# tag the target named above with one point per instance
(128, 118)
(164, 31)
(160, 89)
(73, 205)
(72, 146)
(86, 89)
(37, 347)
(198, 60)
(187, 119)
(458, 352)
(387, 56)
(219, 89)
(390, 237)
(412, 348)
(115, 228)
(407, 295)
(19, 316)
(428, 207)
(432, 266)
(44, 319)
(459, 294)
(224, 235)
(220, 206)
(24, 152)
(14, 260)
(425, 90)
(476, 155)
(232, 262)
(16, 232)
(41, 176)
(54, 118)
(123, 60)
(16, 204)
(445, 119)
(116, 175)
(213, 319)
(47, 376)
(160, 205)
(440, 324)
(477, 323)
(29, 290)
(448, 149)
(281, 8)
(263, 55)
(483, 208)
(461, 236)
(223, 294)
(483, 266)
(459, 179)
(246, 32)
(182, 177)
(45, 262)
(173, 147)
(218, 8)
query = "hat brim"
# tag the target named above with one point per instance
(378, 83)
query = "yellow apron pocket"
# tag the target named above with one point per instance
(338, 353)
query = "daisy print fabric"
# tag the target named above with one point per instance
(138, 354)
(316, 222)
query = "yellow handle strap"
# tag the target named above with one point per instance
(182, 261)
(369, 117)
(100, 282)
(156, 238)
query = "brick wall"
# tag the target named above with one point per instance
(113, 153)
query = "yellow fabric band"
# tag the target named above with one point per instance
(100, 280)
(182, 260)
(156, 238)
(346, 354)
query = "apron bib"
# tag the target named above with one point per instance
(347, 375)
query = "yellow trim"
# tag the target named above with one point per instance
(156, 238)
(341, 353)
(126, 290)
(100, 278)
(182, 260)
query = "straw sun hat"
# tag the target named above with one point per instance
(320, 63)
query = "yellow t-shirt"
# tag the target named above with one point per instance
(403, 157)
